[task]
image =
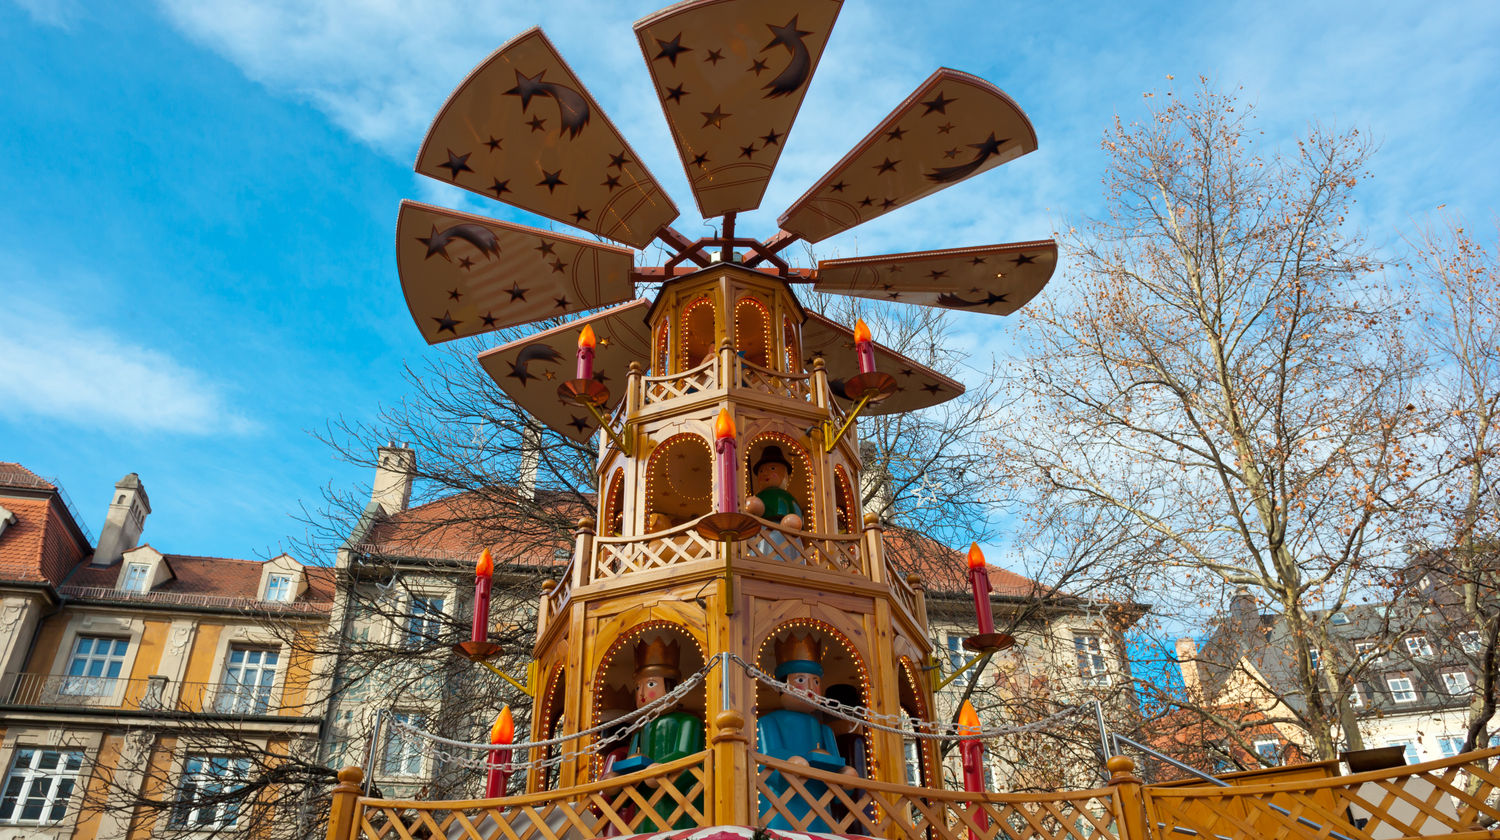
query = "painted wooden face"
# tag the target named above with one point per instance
(649, 689)
(771, 475)
(808, 684)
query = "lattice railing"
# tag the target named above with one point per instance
(704, 377)
(557, 599)
(613, 807)
(622, 555)
(792, 386)
(905, 595)
(808, 800)
(1454, 797)
(838, 552)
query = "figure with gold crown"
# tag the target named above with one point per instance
(796, 732)
(668, 737)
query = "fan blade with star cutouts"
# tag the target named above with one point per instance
(995, 279)
(917, 386)
(952, 128)
(730, 93)
(464, 275)
(522, 129)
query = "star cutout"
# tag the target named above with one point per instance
(896, 268)
(552, 180)
(887, 165)
(990, 146)
(501, 187)
(435, 244)
(527, 87)
(977, 261)
(580, 215)
(558, 266)
(549, 374)
(488, 319)
(618, 161)
(938, 104)
(700, 161)
(675, 94)
(887, 204)
(579, 423)
(600, 377)
(454, 294)
(671, 49)
(839, 187)
(465, 262)
(905, 372)
(932, 387)
(773, 138)
(714, 118)
(545, 249)
(895, 134)
(758, 66)
(456, 164)
(951, 153)
(519, 372)
(611, 181)
(894, 295)
(866, 201)
(937, 275)
(516, 292)
(537, 124)
(945, 128)
(748, 151)
(447, 323)
(1022, 259)
(493, 143)
(560, 302)
(714, 57)
(789, 35)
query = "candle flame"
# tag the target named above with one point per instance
(976, 557)
(968, 719)
(861, 332)
(504, 730)
(586, 336)
(486, 565)
(724, 426)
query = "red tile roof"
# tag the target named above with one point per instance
(456, 528)
(41, 545)
(945, 570)
(224, 577)
(15, 475)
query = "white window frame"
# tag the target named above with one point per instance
(27, 770)
(1339, 619)
(403, 755)
(1259, 744)
(279, 587)
(219, 815)
(1418, 645)
(1362, 648)
(249, 684)
(1315, 658)
(1469, 641)
(1088, 649)
(1401, 695)
(1450, 745)
(137, 578)
(1412, 753)
(111, 667)
(424, 624)
(1457, 684)
(1356, 698)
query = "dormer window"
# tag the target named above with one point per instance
(279, 588)
(137, 578)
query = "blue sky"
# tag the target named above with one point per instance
(197, 198)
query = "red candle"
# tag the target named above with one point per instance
(484, 578)
(971, 751)
(979, 579)
(503, 732)
(864, 345)
(586, 352)
(724, 446)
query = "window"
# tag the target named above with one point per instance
(1401, 689)
(205, 779)
(1418, 646)
(1268, 749)
(1412, 756)
(912, 752)
(957, 658)
(1366, 649)
(38, 785)
(1469, 641)
(1451, 745)
(403, 752)
(279, 588)
(1340, 619)
(1457, 683)
(1316, 657)
(249, 677)
(135, 577)
(95, 666)
(1091, 664)
(424, 624)
(1356, 697)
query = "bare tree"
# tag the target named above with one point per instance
(1225, 376)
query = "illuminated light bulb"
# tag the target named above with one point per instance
(486, 565)
(504, 730)
(968, 719)
(724, 426)
(586, 337)
(976, 557)
(862, 331)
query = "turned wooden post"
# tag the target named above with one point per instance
(343, 812)
(732, 791)
(583, 552)
(1132, 800)
(634, 394)
(820, 392)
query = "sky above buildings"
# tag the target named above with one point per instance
(197, 198)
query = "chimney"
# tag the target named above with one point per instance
(531, 457)
(1187, 662)
(395, 467)
(128, 508)
(1243, 609)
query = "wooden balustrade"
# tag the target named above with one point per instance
(657, 798)
(834, 552)
(1453, 797)
(754, 377)
(657, 389)
(618, 556)
(850, 805)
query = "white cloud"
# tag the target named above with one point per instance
(57, 370)
(58, 13)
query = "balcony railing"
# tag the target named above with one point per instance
(190, 599)
(153, 694)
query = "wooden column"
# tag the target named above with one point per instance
(1132, 802)
(343, 811)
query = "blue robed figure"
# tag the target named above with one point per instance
(796, 733)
